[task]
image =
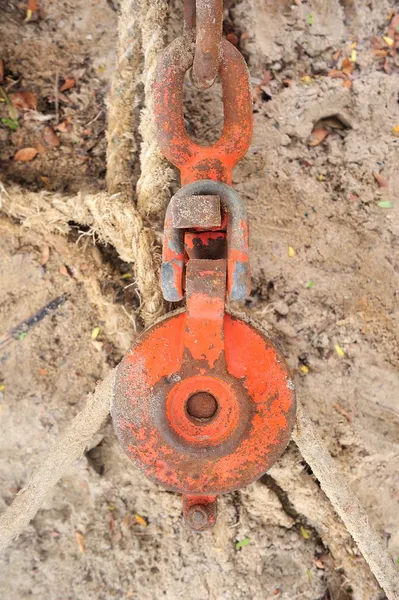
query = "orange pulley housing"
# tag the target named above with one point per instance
(204, 403)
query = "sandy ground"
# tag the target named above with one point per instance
(324, 254)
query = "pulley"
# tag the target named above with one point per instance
(204, 403)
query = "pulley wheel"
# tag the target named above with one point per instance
(203, 423)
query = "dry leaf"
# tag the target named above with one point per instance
(395, 130)
(318, 563)
(64, 271)
(380, 53)
(1, 70)
(68, 84)
(40, 148)
(111, 521)
(46, 181)
(97, 345)
(80, 538)
(317, 136)
(45, 255)
(347, 66)
(347, 84)
(342, 412)
(82, 154)
(377, 42)
(50, 137)
(262, 84)
(64, 126)
(24, 100)
(25, 154)
(394, 27)
(126, 522)
(336, 73)
(387, 68)
(266, 78)
(380, 180)
(141, 520)
(63, 98)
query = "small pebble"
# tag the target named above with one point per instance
(282, 308)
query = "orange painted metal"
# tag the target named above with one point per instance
(234, 223)
(247, 375)
(200, 512)
(204, 349)
(194, 161)
(204, 403)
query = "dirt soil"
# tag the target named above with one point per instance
(324, 222)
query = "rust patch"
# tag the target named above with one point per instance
(200, 211)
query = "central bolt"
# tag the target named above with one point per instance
(202, 405)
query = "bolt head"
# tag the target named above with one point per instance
(198, 517)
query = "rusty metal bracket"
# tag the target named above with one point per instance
(173, 259)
